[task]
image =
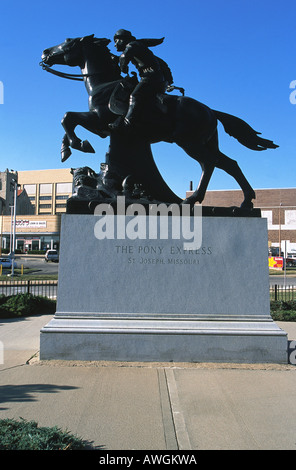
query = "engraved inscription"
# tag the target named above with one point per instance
(159, 255)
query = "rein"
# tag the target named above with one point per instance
(70, 76)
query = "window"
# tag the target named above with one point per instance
(30, 189)
(45, 188)
(45, 198)
(64, 188)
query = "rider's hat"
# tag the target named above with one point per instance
(124, 34)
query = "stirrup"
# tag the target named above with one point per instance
(130, 122)
(127, 122)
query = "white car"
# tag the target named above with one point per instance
(7, 263)
(52, 255)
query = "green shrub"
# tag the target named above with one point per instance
(26, 435)
(283, 310)
(284, 315)
(22, 305)
(5, 251)
(3, 299)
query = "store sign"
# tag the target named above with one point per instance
(275, 262)
(30, 223)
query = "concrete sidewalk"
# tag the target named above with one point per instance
(148, 406)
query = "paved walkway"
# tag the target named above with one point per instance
(154, 406)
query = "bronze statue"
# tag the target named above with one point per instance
(175, 119)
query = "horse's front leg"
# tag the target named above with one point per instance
(65, 149)
(88, 120)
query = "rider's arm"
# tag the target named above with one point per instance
(126, 57)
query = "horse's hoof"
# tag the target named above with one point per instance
(128, 183)
(189, 203)
(247, 205)
(86, 147)
(65, 154)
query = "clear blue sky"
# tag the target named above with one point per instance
(236, 56)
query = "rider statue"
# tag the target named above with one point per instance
(155, 75)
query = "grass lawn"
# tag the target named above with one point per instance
(276, 272)
(28, 275)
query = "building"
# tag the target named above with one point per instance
(6, 191)
(278, 206)
(48, 190)
(8, 179)
(42, 198)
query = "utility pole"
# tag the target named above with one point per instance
(14, 182)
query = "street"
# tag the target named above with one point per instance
(37, 263)
(280, 280)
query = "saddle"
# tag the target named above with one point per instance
(119, 99)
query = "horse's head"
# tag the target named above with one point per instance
(70, 51)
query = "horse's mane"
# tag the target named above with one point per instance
(101, 44)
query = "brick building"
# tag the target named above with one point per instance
(277, 205)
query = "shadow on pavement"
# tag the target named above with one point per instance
(28, 392)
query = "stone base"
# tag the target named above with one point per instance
(163, 341)
(151, 300)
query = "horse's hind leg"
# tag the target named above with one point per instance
(205, 155)
(199, 193)
(231, 167)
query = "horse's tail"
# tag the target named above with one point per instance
(244, 133)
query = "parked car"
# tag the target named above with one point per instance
(290, 262)
(7, 263)
(52, 255)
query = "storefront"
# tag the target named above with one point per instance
(31, 233)
(26, 244)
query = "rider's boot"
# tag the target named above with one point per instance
(117, 124)
(130, 120)
(132, 115)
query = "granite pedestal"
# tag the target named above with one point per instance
(126, 299)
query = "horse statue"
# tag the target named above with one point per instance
(171, 118)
